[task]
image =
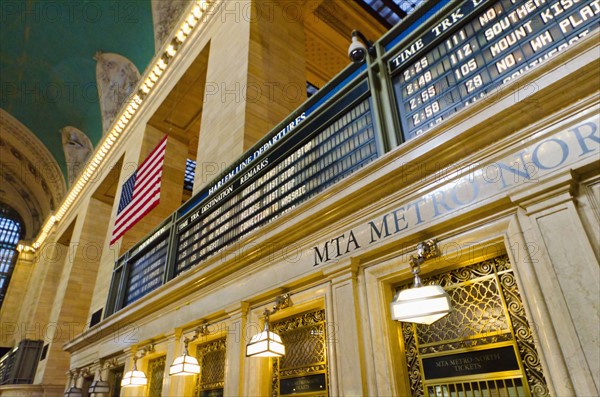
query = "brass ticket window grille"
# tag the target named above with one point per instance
(485, 347)
(211, 356)
(303, 369)
(115, 379)
(156, 370)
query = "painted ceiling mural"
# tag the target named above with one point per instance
(48, 70)
(67, 66)
(165, 14)
(116, 78)
(31, 183)
(58, 61)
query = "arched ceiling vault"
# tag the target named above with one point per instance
(31, 181)
(48, 76)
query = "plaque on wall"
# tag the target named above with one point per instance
(471, 363)
(212, 393)
(303, 384)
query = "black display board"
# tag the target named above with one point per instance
(303, 384)
(471, 363)
(326, 150)
(476, 48)
(212, 393)
(146, 272)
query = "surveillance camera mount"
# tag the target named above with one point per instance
(368, 43)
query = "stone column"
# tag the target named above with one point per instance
(256, 370)
(68, 311)
(174, 385)
(349, 358)
(48, 265)
(567, 272)
(256, 77)
(131, 391)
(236, 349)
(14, 298)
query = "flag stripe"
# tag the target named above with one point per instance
(156, 152)
(148, 178)
(141, 192)
(137, 201)
(143, 209)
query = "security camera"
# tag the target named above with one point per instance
(358, 50)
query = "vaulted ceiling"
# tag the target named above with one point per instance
(48, 75)
(48, 82)
(48, 71)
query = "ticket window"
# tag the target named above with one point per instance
(156, 373)
(484, 347)
(211, 380)
(114, 379)
(85, 385)
(303, 370)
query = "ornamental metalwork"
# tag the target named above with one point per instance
(211, 357)
(156, 370)
(305, 340)
(488, 311)
(116, 375)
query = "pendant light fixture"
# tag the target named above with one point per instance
(186, 364)
(135, 377)
(421, 304)
(99, 386)
(73, 390)
(267, 343)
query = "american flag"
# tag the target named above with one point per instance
(140, 192)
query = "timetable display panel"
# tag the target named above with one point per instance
(277, 182)
(479, 46)
(146, 273)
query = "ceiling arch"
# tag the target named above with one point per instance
(31, 181)
(48, 76)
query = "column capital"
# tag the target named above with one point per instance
(238, 309)
(546, 193)
(342, 271)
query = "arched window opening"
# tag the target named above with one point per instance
(11, 231)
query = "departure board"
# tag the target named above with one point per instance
(476, 48)
(146, 272)
(291, 173)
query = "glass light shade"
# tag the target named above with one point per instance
(74, 392)
(99, 386)
(184, 365)
(134, 378)
(265, 344)
(422, 305)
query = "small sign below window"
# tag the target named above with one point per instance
(96, 317)
(303, 384)
(471, 363)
